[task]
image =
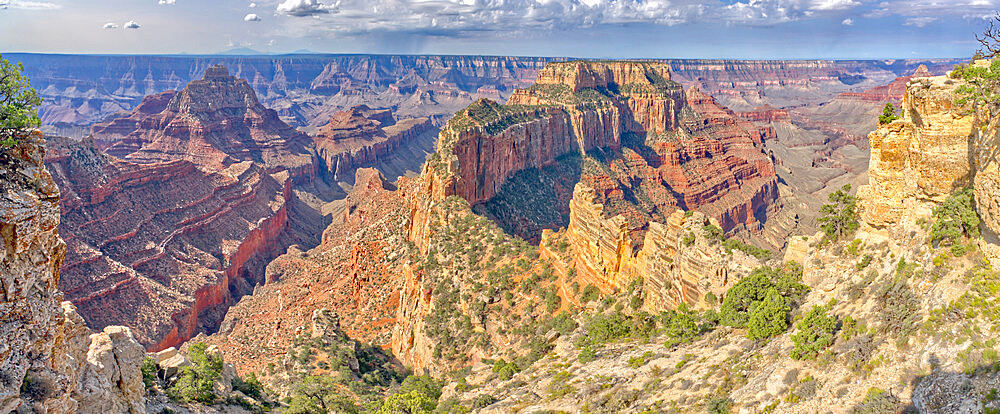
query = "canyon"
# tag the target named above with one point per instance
(234, 187)
(203, 215)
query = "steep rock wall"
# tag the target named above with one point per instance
(49, 360)
(924, 156)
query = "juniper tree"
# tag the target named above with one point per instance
(18, 104)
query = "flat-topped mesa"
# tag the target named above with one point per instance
(214, 122)
(645, 94)
(575, 107)
(580, 75)
(361, 137)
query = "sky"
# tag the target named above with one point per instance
(739, 29)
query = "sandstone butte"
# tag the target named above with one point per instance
(934, 149)
(46, 343)
(214, 122)
(191, 197)
(704, 158)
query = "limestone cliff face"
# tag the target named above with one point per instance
(678, 262)
(49, 360)
(924, 156)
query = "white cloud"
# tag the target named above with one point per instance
(251, 18)
(919, 21)
(449, 17)
(168, 2)
(252, 5)
(110, 26)
(833, 4)
(304, 7)
(131, 24)
(28, 5)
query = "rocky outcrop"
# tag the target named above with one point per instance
(213, 122)
(679, 261)
(361, 137)
(355, 272)
(49, 360)
(162, 247)
(923, 156)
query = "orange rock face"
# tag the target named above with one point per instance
(892, 92)
(648, 148)
(356, 272)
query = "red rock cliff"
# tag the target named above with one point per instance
(158, 246)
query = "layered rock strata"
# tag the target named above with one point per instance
(49, 359)
(360, 137)
(162, 247)
(695, 155)
(678, 261)
(214, 122)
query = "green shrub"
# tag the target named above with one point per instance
(730, 244)
(680, 326)
(854, 247)
(688, 239)
(897, 307)
(587, 354)
(560, 386)
(713, 232)
(753, 289)
(552, 299)
(590, 293)
(413, 402)
(18, 104)
(815, 333)
(505, 370)
(710, 298)
(148, 370)
(954, 218)
(718, 404)
(877, 401)
(641, 360)
(483, 401)
(839, 217)
(888, 114)
(195, 382)
(768, 317)
(249, 386)
(864, 262)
